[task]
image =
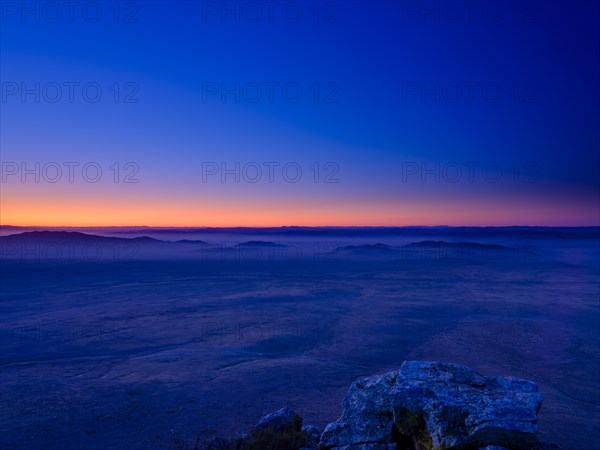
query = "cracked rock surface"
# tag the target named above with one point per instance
(433, 405)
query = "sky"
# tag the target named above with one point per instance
(243, 113)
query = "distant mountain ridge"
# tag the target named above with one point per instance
(72, 236)
(517, 232)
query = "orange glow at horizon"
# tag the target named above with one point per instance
(99, 214)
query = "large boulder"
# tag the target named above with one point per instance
(281, 430)
(283, 419)
(428, 405)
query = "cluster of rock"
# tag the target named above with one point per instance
(421, 406)
(281, 430)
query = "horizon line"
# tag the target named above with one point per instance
(295, 226)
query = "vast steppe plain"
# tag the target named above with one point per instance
(118, 342)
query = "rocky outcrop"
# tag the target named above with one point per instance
(428, 405)
(281, 430)
(421, 406)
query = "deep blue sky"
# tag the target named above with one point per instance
(370, 53)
